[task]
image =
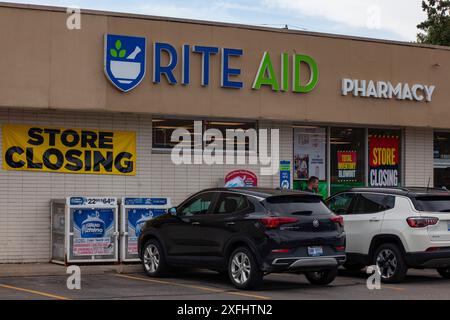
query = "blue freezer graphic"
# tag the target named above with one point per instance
(93, 232)
(137, 217)
(93, 223)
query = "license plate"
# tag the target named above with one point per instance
(315, 251)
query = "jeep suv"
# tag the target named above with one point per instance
(246, 233)
(395, 229)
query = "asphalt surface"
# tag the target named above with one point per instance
(201, 284)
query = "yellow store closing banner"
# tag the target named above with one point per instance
(42, 148)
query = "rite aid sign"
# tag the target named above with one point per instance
(125, 64)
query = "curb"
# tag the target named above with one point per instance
(36, 270)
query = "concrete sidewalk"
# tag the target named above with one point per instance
(50, 269)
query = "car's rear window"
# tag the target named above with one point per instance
(296, 205)
(432, 203)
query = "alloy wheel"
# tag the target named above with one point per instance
(240, 268)
(151, 258)
(387, 263)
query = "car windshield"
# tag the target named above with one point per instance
(433, 203)
(293, 205)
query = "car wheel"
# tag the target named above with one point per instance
(154, 261)
(389, 260)
(321, 277)
(354, 267)
(444, 272)
(243, 270)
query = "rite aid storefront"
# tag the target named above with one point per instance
(92, 111)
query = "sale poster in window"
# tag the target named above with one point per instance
(347, 162)
(384, 161)
(309, 153)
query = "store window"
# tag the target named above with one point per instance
(310, 157)
(347, 158)
(442, 160)
(384, 158)
(242, 144)
(162, 130)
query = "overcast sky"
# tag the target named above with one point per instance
(386, 19)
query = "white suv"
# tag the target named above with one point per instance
(396, 229)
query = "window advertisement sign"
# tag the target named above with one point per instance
(241, 178)
(347, 158)
(309, 153)
(285, 174)
(135, 212)
(86, 151)
(384, 160)
(347, 161)
(92, 229)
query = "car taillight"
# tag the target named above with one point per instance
(421, 222)
(340, 248)
(275, 222)
(338, 219)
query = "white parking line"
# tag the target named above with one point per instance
(249, 295)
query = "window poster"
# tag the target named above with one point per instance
(309, 153)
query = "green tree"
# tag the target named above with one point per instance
(436, 28)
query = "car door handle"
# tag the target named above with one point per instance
(195, 223)
(230, 223)
(374, 219)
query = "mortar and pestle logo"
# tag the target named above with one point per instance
(125, 71)
(124, 60)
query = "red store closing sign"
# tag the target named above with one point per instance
(384, 160)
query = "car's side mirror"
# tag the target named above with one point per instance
(173, 211)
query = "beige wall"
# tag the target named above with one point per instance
(45, 65)
(419, 162)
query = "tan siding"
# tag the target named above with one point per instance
(418, 156)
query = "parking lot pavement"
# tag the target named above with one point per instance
(201, 285)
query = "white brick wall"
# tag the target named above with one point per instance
(418, 156)
(25, 196)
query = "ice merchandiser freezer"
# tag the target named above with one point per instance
(135, 211)
(84, 230)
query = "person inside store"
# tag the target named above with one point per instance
(312, 185)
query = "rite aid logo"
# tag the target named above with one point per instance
(124, 60)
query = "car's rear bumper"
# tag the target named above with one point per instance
(293, 264)
(436, 259)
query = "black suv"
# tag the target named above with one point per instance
(246, 233)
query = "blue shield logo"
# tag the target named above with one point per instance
(124, 62)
